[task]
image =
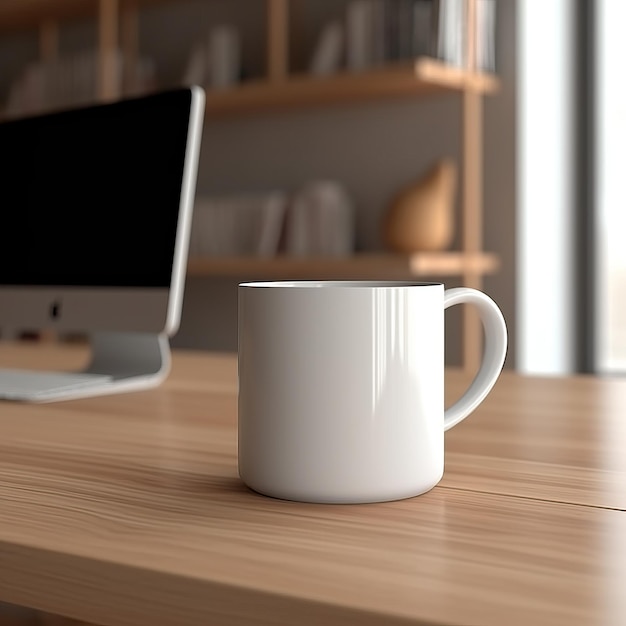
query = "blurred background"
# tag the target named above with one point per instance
(470, 142)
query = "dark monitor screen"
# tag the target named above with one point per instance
(90, 196)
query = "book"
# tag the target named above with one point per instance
(360, 34)
(422, 28)
(328, 54)
(485, 35)
(273, 211)
(238, 225)
(196, 70)
(224, 56)
(449, 33)
(451, 28)
(320, 221)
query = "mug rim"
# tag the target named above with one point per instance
(346, 284)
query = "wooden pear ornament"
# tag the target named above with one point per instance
(421, 216)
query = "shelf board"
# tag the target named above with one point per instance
(422, 77)
(436, 72)
(359, 266)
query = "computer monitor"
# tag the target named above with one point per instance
(95, 216)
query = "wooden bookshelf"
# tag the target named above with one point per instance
(360, 266)
(117, 25)
(423, 77)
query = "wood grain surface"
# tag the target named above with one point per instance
(557, 439)
(128, 509)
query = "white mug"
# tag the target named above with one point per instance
(341, 386)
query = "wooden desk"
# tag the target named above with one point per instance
(128, 509)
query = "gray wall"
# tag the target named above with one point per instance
(372, 148)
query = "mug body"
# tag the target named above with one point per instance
(341, 389)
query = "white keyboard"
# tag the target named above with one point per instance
(18, 384)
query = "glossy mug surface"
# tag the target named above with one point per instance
(341, 386)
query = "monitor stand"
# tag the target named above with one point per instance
(119, 362)
(138, 358)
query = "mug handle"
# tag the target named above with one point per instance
(493, 356)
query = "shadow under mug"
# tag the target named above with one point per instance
(341, 386)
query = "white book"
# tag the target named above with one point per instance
(457, 33)
(328, 53)
(298, 231)
(272, 213)
(238, 225)
(224, 56)
(485, 35)
(320, 221)
(337, 219)
(451, 32)
(196, 72)
(359, 35)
